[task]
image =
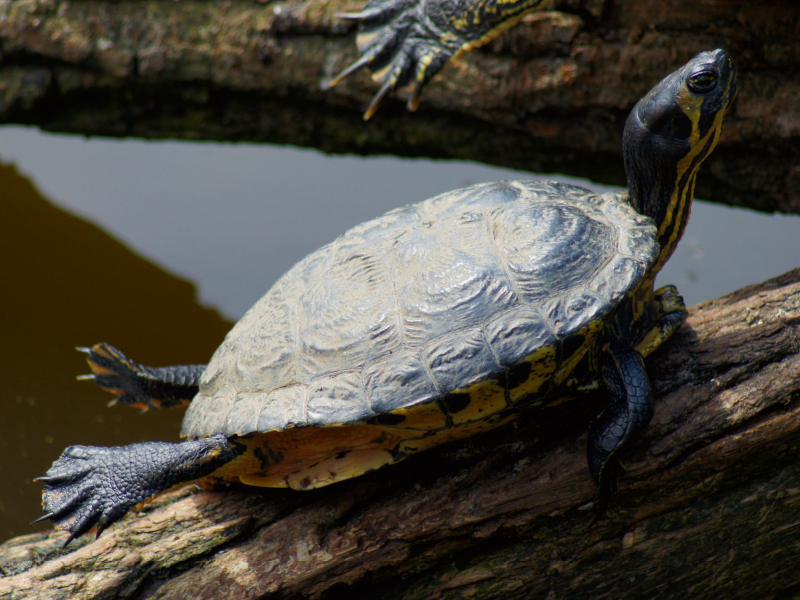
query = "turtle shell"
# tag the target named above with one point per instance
(424, 301)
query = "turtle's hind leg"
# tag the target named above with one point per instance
(140, 386)
(91, 486)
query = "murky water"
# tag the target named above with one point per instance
(66, 283)
(230, 219)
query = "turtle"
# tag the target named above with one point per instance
(405, 43)
(431, 323)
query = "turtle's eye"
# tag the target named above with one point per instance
(703, 81)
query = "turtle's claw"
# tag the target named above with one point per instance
(360, 63)
(364, 15)
(408, 72)
(377, 100)
(413, 101)
(115, 373)
(44, 517)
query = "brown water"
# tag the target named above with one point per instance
(65, 283)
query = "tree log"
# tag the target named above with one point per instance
(550, 95)
(709, 507)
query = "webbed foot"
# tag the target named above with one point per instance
(405, 43)
(140, 386)
(92, 487)
(402, 46)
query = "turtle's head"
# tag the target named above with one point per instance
(669, 133)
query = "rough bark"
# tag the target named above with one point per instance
(550, 95)
(709, 507)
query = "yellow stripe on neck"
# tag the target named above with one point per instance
(681, 199)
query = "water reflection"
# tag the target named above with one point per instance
(66, 283)
(233, 218)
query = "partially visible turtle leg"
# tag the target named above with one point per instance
(405, 43)
(140, 386)
(629, 410)
(90, 486)
(400, 46)
(671, 314)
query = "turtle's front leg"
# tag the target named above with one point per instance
(627, 413)
(91, 486)
(671, 315)
(140, 386)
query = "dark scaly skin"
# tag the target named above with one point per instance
(90, 486)
(404, 43)
(140, 386)
(620, 366)
(627, 413)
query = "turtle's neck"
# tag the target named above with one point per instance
(667, 136)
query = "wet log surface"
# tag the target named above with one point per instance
(550, 95)
(709, 507)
